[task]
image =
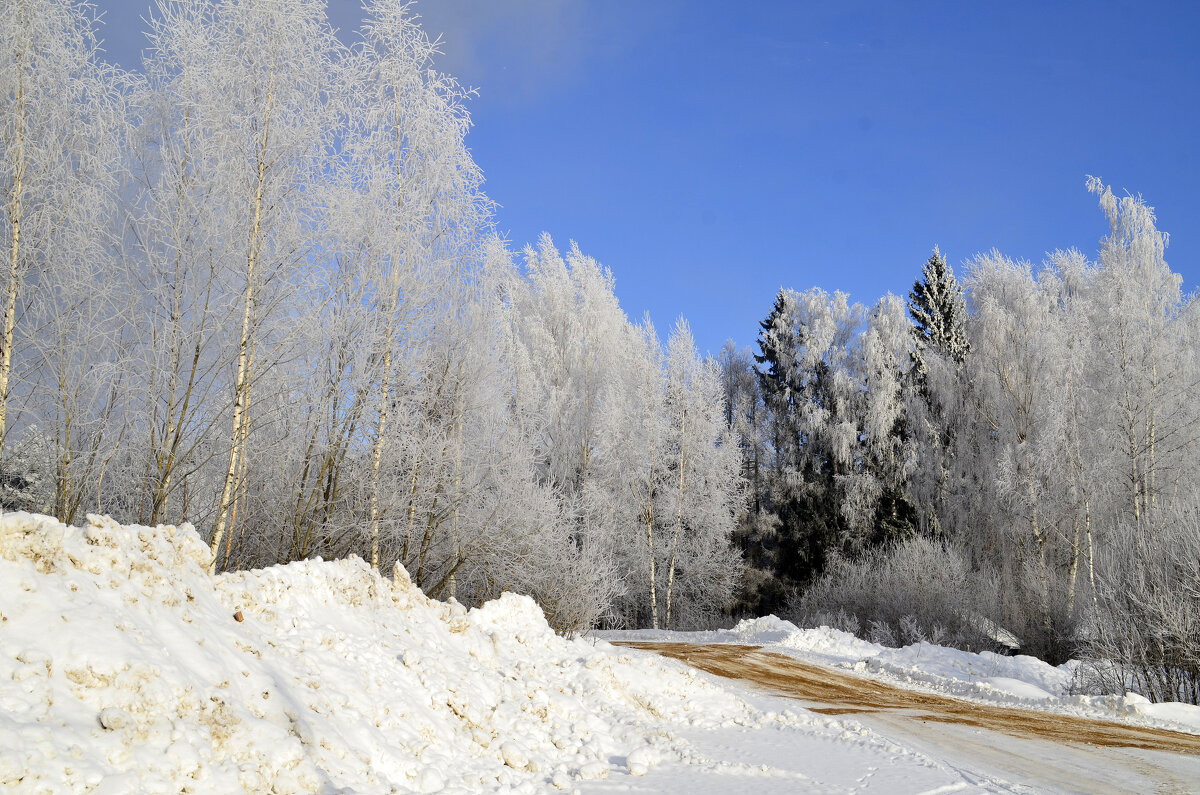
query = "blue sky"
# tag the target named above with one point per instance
(712, 152)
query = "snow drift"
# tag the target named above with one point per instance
(123, 667)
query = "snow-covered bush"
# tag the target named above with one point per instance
(919, 590)
(1145, 634)
(27, 474)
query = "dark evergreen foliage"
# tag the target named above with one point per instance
(938, 312)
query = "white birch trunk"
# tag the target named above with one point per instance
(242, 381)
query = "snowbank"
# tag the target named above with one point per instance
(1021, 681)
(124, 667)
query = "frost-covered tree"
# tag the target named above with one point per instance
(777, 359)
(835, 382)
(61, 124)
(757, 533)
(249, 84)
(706, 489)
(568, 319)
(1144, 358)
(634, 454)
(890, 450)
(628, 448)
(938, 312)
(172, 256)
(583, 577)
(409, 125)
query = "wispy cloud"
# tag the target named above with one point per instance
(513, 51)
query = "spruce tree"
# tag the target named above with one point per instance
(938, 311)
(778, 352)
(939, 315)
(801, 484)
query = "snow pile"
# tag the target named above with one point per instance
(831, 644)
(1170, 712)
(1021, 677)
(125, 667)
(762, 631)
(1021, 681)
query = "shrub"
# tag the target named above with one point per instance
(1145, 633)
(917, 590)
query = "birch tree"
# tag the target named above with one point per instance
(173, 258)
(634, 453)
(252, 80)
(1142, 355)
(1013, 392)
(706, 487)
(60, 125)
(582, 575)
(407, 145)
(567, 318)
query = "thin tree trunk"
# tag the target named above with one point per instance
(15, 208)
(412, 507)
(1087, 524)
(1073, 568)
(62, 479)
(648, 515)
(242, 380)
(678, 516)
(177, 421)
(381, 425)
(458, 497)
(239, 407)
(377, 453)
(1043, 581)
(1149, 472)
(239, 489)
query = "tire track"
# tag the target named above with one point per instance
(835, 693)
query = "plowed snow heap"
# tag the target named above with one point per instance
(122, 669)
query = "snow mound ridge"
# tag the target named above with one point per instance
(54, 547)
(763, 630)
(123, 668)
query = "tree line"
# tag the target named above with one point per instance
(255, 285)
(1025, 454)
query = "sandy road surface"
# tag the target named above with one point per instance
(1033, 751)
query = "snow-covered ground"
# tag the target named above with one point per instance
(1020, 681)
(125, 667)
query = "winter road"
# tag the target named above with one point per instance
(1029, 751)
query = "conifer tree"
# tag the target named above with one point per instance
(774, 341)
(779, 345)
(936, 305)
(802, 389)
(939, 313)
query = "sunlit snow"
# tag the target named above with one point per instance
(124, 668)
